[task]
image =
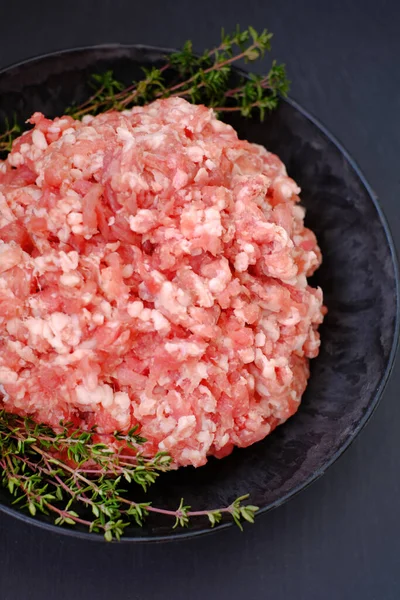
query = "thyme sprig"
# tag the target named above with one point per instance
(202, 79)
(205, 79)
(78, 479)
(12, 131)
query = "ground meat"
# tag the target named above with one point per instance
(153, 270)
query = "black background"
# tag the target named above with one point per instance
(339, 539)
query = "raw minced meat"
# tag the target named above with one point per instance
(153, 271)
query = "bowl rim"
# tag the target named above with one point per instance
(188, 534)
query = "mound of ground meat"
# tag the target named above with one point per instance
(153, 271)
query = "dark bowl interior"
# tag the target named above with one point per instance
(358, 276)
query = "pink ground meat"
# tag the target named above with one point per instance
(153, 270)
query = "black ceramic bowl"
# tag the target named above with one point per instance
(359, 278)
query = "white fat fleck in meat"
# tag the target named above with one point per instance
(3, 394)
(260, 339)
(15, 159)
(106, 308)
(146, 407)
(69, 261)
(113, 247)
(204, 296)
(145, 314)
(87, 119)
(208, 401)
(180, 179)
(292, 319)
(185, 428)
(185, 425)
(266, 366)
(218, 283)
(10, 256)
(102, 394)
(301, 281)
(69, 138)
(171, 299)
(39, 139)
(287, 187)
(24, 148)
(201, 175)
(58, 321)
(7, 375)
(135, 308)
(64, 232)
(98, 318)
(212, 222)
(270, 328)
(195, 153)
(124, 134)
(184, 349)
(143, 221)
(144, 293)
(210, 164)
(127, 271)
(70, 280)
(161, 324)
(74, 218)
(241, 262)
(68, 131)
(79, 161)
(120, 409)
(247, 356)
(6, 214)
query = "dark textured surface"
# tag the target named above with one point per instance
(339, 539)
(357, 275)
